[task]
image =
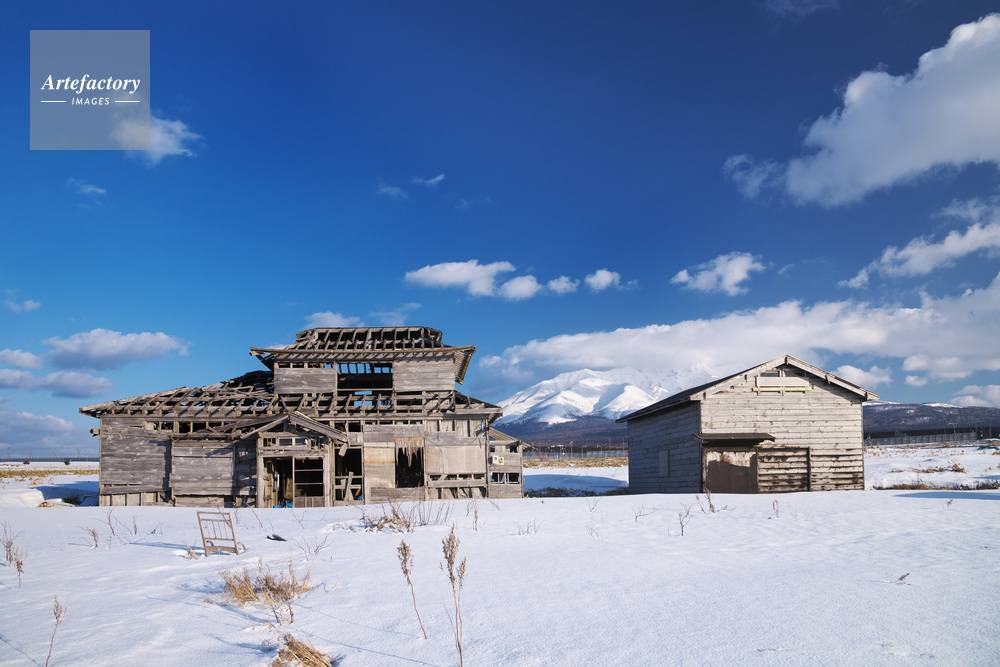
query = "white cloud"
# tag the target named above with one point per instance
(869, 379)
(988, 395)
(722, 274)
(166, 138)
(478, 279)
(519, 288)
(428, 182)
(752, 179)
(392, 192)
(86, 188)
(75, 385)
(945, 339)
(101, 349)
(397, 317)
(25, 306)
(62, 383)
(169, 137)
(798, 8)
(922, 255)
(916, 380)
(893, 129)
(331, 320)
(20, 359)
(20, 431)
(562, 285)
(13, 379)
(602, 279)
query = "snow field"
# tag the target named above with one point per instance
(807, 578)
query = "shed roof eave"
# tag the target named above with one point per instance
(702, 391)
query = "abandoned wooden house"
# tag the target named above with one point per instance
(341, 416)
(781, 426)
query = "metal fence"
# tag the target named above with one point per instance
(930, 439)
(555, 453)
(49, 459)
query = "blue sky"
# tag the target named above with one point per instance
(669, 186)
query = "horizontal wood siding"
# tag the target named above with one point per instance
(781, 470)
(132, 455)
(671, 432)
(201, 469)
(826, 419)
(436, 374)
(305, 380)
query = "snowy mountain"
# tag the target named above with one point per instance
(586, 393)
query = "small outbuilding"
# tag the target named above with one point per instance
(782, 426)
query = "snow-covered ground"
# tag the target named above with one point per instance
(857, 577)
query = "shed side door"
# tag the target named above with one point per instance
(730, 470)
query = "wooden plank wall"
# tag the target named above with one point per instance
(305, 380)
(201, 468)
(670, 432)
(424, 374)
(132, 455)
(784, 469)
(826, 419)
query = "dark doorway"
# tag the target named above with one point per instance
(409, 467)
(730, 470)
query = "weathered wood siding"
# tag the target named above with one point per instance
(132, 456)
(664, 442)
(305, 380)
(424, 374)
(201, 468)
(825, 418)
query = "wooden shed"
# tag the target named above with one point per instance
(781, 426)
(345, 415)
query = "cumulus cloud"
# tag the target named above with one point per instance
(522, 287)
(478, 279)
(562, 285)
(602, 279)
(101, 349)
(893, 129)
(924, 255)
(481, 280)
(14, 379)
(166, 138)
(72, 384)
(427, 182)
(869, 379)
(43, 434)
(943, 339)
(63, 383)
(332, 320)
(20, 358)
(25, 306)
(980, 395)
(722, 274)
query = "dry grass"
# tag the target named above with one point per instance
(294, 653)
(922, 486)
(261, 587)
(401, 518)
(607, 462)
(21, 474)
